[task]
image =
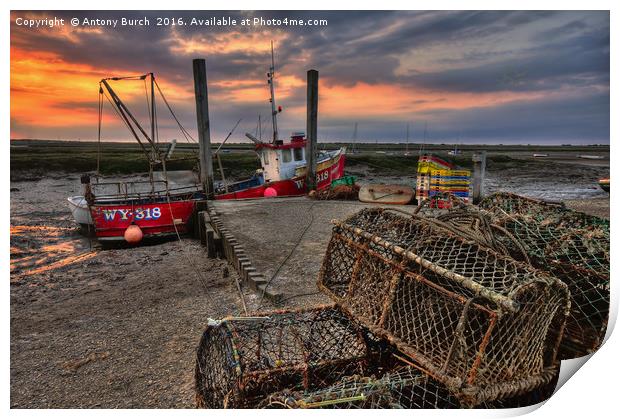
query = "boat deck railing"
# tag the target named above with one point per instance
(128, 190)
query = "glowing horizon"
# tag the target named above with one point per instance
(496, 76)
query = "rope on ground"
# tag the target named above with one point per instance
(275, 274)
(191, 263)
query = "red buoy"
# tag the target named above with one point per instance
(270, 192)
(133, 234)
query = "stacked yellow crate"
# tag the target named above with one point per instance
(436, 176)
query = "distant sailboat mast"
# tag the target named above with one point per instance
(424, 138)
(354, 138)
(407, 147)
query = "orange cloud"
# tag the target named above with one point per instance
(254, 42)
(49, 91)
(365, 100)
(256, 91)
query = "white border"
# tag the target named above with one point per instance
(592, 393)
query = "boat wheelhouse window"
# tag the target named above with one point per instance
(266, 157)
(298, 154)
(286, 156)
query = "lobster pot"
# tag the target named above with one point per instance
(240, 362)
(404, 388)
(570, 245)
(480, 323)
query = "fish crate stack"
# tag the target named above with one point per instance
(480, 323)
(438, 178)
(569, 245)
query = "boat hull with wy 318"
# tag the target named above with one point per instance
(156, 207)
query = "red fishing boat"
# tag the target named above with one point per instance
(151, 208)
(157, 213)
(283, 164)
(283, 171)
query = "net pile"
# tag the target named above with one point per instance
(404, 388)
(571, 246)
(479, 323)
(240, 361)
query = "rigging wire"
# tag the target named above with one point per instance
(185, 133)
(148, 103)
(156, 139)
(191, 262)
(117, 111)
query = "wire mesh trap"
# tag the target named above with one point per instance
(406, 388)
(570, 245)
(403, 388)
(480, 323)
(242, 360)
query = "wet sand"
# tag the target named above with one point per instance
(118, 328)
(114, 328)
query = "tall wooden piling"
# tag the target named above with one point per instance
(204, 126)
(311, 127)
(480, 162)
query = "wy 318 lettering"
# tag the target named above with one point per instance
(137, 214)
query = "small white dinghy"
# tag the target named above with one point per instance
(80, 211)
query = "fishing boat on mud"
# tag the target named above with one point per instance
(283, 171)
(153, 207)
(283, 164)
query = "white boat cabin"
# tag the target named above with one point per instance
(280, 160)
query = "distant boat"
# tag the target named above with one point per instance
(604, 184)
(455, 152)
(407, 153)
(540, 155)
(590, 157)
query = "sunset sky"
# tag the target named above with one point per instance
(471, 77)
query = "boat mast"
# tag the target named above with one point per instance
(128, 117)
(153, 132)
(153, 107)
(424, 139)
(274, 111)
(407, 147)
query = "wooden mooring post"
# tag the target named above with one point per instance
(204, 126)
(480, 163)
(311, 127)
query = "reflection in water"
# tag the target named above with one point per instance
(37, 249)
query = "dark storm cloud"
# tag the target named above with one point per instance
(580, 58)
(583, 120)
